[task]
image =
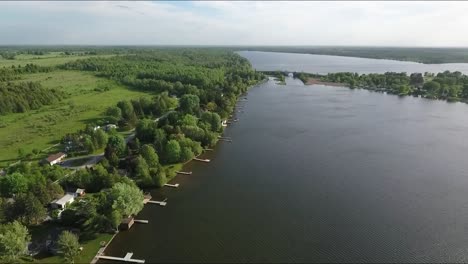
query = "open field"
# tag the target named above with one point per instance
(39, 129)
(50, 59)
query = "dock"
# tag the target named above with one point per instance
(127, 258)
(225, 139)
(141, 221)
(161, 203)
(146, 198)
(171, 185)
(184, 172)
(202, 160)
(208, 149)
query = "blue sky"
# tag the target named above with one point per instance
(234, 23)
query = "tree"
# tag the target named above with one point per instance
(11, 184)
(116, 143)
(172, 151)
(141, 169)
(213, 119)
(101, 138)
(126, 198)
(13, 241)
(149, 154)
(68, 245)
(114, 112)
(190, 104)
(431, 86)
(416, 79)
(29, 209)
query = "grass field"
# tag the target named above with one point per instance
(39, 129)
(50, 59)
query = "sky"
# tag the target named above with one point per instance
(344, 23)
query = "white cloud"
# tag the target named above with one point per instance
(235, 23)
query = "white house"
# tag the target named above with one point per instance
(56, 158)
(63, 202)
(109, 127)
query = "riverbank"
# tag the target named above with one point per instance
(171, 170)
(312, 81)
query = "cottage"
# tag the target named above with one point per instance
(56, 158)
(126, 223)
(109, 127)
(79, 192)
(63, 202)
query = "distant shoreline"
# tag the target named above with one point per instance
(312, 81)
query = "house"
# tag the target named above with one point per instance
(63, 202)
(79, 192)
(56, 158)
(96, 128)
(109, 127)
(126, 223)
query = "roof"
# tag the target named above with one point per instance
(55, 156)
(65, 199)
(79, 190)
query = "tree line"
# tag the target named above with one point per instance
(447, 85)
(24, 96)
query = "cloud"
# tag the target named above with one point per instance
(235, 23)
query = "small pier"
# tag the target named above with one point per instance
(184, 172)
(161, 203)
(208, 149)
(127, 258)
(141, 221)
(225, 139)
(171, 185)
(202, 160)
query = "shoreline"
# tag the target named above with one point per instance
(101, 251)
(312, 81)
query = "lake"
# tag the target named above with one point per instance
(319, 174)
(323, 64)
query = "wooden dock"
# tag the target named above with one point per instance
(171, 185)
(127, 258)
(202, 160)
(208, 149)
(225, 139)
(141, 221)
(161, 203)
(184, 172)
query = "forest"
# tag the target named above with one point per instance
(189, 92)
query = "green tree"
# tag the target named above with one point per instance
(190, 104)
(126, 199)
(117, 144)
(101, 138)
(68, 245)
(149, 154)
(15, 183)
(13, 241)
(172, 151)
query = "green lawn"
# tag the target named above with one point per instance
(90, 248)
(39, 129)
(50, 59)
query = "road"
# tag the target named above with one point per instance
(92, 159)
